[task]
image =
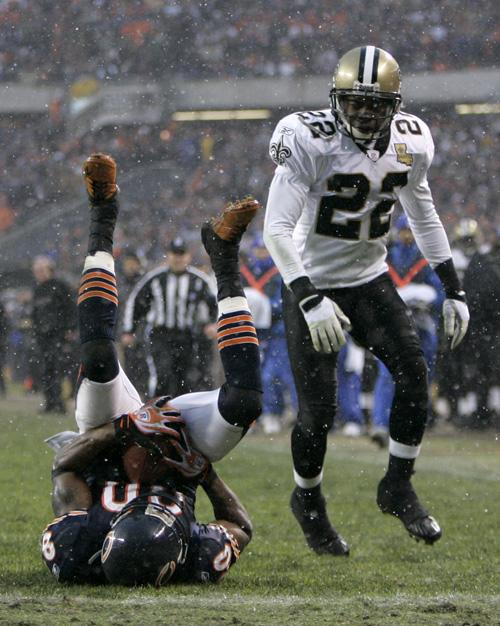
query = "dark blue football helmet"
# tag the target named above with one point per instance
(143, 547)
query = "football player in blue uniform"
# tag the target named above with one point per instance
(154, 531)
(110, 529)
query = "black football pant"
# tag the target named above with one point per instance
(382, 324)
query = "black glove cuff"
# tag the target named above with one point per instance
(451, 283)
(306, 293)
(303, 289)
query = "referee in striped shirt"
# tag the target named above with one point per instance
(178, 303)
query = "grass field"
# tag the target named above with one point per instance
(389, 579)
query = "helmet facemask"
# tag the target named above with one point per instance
(365, 115)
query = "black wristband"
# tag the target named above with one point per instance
(303, 289)
(451, 283)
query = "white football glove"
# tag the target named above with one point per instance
(456, 320)
(326, 323)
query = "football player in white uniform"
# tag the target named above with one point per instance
(339, 173)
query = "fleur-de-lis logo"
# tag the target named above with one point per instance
(279, 152)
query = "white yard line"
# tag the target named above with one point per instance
(285, 601)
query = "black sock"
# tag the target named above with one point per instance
(309, 493)
(224, 258)
(102, 226)
(399, 469)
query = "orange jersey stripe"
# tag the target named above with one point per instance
(233, 342)
(98, 283)
(232, 320)
(237, 329)
(98, 294)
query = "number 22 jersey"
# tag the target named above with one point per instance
(330, 202)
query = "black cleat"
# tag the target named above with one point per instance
(399, 499)
(313, 519)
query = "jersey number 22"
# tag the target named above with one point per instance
(351, 192)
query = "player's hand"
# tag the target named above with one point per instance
(326, 322)
(191, 464)
(456, 320)
(156, 417)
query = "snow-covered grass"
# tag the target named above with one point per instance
(389, 579)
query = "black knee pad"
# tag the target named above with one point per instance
(411, 375)
(99, 360)
(316, 419)
(240, 407)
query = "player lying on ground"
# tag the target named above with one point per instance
(215, 420)
(110, 529)
(339, 172)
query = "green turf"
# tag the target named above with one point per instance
(388, 579)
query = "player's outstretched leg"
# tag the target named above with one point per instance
(98, 294)
(240, 399)
(104, 390)
(396, 495)
(313, 376)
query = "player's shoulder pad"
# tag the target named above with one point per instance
(412, 131)
(301, 131)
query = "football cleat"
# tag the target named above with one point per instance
(399, 499)
(313, 519)
(99, 175)
(234, 219)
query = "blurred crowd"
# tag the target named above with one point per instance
(219, 38)
(189, 170)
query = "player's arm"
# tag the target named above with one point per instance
(416, 199)
(229, 512)
(70, 492)
(287, 197)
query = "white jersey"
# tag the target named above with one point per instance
(330, 203)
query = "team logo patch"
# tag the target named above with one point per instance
(165, 573)
(402, 154)
(107, 545)
(279, 152)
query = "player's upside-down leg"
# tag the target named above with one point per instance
(216, 420)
